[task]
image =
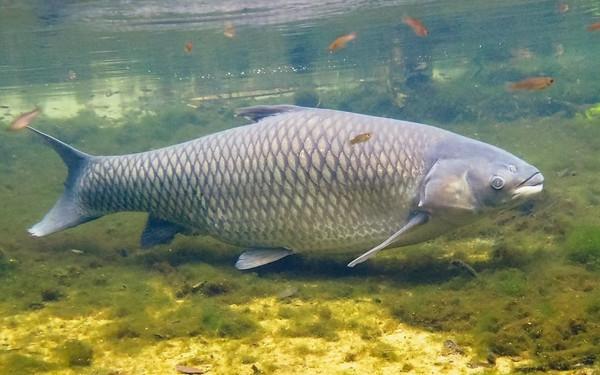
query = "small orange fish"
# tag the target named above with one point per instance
(594, 27)
(533, 83)
(229, 31)
(360, 138)
(416, 25)
(188, 47)
(24, 120)
(341, 42)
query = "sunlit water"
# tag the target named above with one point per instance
(122, 76)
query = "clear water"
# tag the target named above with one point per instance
(114, 77)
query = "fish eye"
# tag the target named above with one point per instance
(497, 182)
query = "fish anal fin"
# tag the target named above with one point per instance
(253, 258)
(258, 112)
(416, 220)
(159, 232)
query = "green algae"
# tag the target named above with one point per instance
(76, 353)
(310, 322)
(583, 246)
(385, 351)
(16, 363)
(222, 322)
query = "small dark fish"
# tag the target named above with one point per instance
(23, 120)
(594, 27)
(416, 25)
(340, 42)
(189, 46)
(360, 138)
(4, 106)
(533, 83)
(188, 370)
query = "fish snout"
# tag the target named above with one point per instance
(532, 185)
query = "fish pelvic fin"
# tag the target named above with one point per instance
(253, 258)
(67, 211)
(418, 219)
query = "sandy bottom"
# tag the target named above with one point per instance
(397, 348)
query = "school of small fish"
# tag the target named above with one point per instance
(535, 83)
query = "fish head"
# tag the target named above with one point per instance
(503, 182)
(475, 178)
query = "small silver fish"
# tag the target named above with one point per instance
(291, 182)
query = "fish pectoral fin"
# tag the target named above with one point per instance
(416, 220)
(258, 257)
(159, 232)
(258, 112)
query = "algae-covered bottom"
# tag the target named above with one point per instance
(89, 301)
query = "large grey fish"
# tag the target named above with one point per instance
(296, 180)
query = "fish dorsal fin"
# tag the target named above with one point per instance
(159, 232)
(258, 257)
(258, 112)
(418, 219)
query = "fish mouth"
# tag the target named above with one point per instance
(532, 185)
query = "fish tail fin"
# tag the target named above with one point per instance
(67, 211)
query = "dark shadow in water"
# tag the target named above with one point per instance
(421, 268)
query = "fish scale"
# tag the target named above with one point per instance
(293, 180)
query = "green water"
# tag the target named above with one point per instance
(113, 77)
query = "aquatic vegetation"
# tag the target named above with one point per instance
(305, 321)
(5, 263)
(16, 363)
(384, 351)
(50, 295)
(76, 353)
(583, 246)
(222, 322)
